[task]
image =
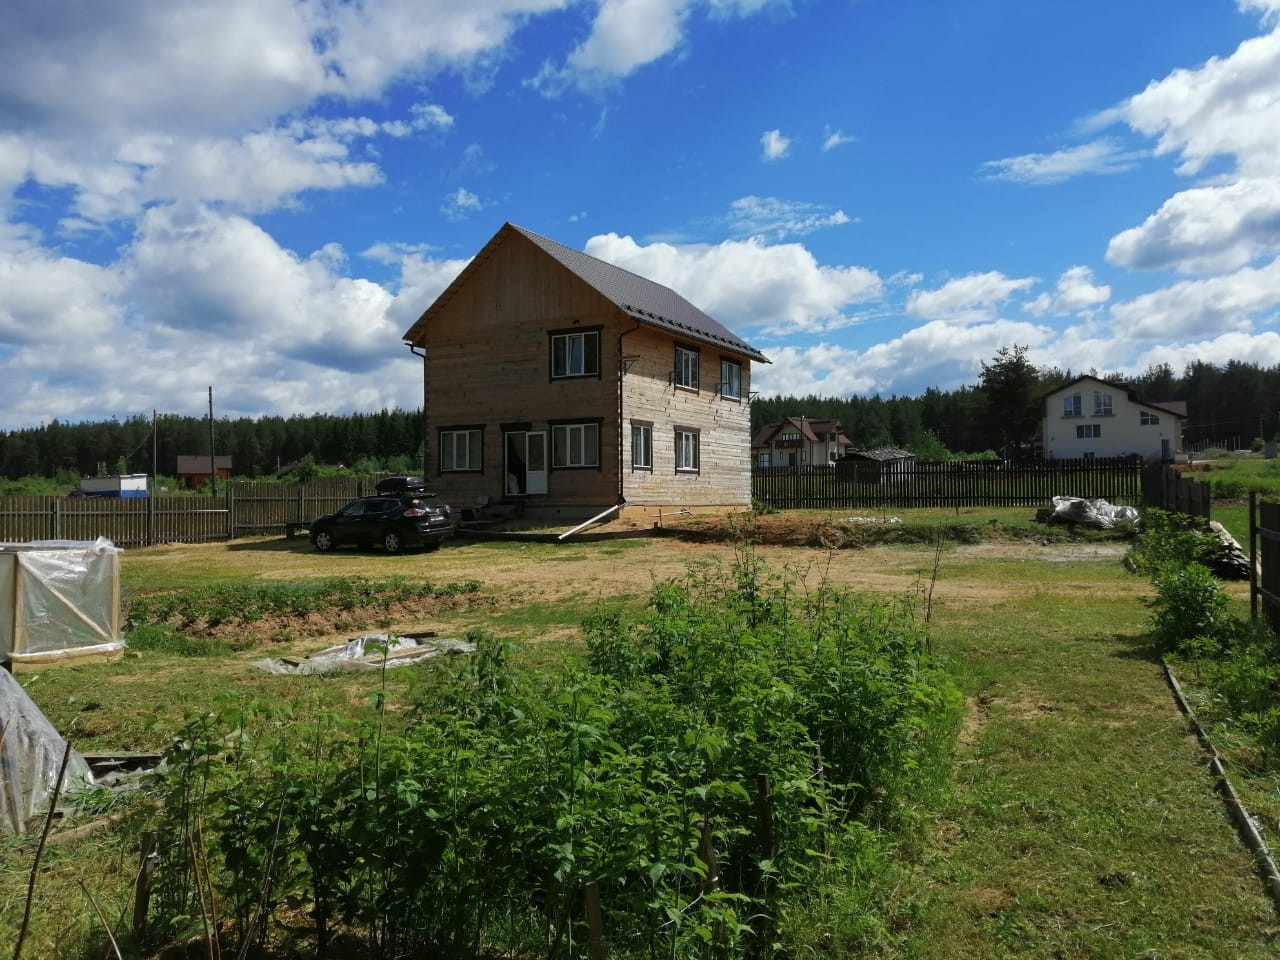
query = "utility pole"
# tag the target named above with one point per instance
(155, 455)
(213, 465)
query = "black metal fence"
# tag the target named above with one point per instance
(855, 484)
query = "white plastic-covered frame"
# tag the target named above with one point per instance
(31, 752)
(59, 602)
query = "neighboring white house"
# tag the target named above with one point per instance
(798, 441)
(1089, 417)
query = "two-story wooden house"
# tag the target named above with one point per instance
(573, 385)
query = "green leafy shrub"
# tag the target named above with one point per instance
(787, 729)
(1189, 606)
(1171, 538)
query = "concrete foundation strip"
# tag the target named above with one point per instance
(1246, 826)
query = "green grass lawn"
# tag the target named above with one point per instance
(1082, 822)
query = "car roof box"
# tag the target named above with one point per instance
(400, 484)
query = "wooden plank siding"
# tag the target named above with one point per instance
(724, 425)
(851, 485)
(488, 363)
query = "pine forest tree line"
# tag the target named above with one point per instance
(390, 440)
(1235, 402)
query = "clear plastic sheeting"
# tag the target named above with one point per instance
(31, 752)
(372, 651)
(1096, 513)
(59, 601)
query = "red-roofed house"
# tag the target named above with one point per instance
(799, 441)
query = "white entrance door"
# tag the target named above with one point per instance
(535, 473)
(525, 463)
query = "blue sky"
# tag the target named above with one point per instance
(262, 195)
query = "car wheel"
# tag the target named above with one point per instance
(323, 540)
(391, 542)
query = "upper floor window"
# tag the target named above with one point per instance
(461, 449)
(1148, 419)
(686, 368)
(575, 354)
(1071, 406)
(731, 379)
(1101, 404)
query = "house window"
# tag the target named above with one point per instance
(731, 379)
(686, 368)
(461, 450)
(1101, 404)
(763, 460)
(1148, 419)
(1088, 431)
(687, 450)
(575, 445)
(575, 354)
(641, 445)
(1071, 406)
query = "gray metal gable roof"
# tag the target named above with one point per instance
(648, 302)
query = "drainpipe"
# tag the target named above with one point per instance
(622, 372)
(586, 523)
(426, 453)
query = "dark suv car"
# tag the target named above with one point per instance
(393, 520)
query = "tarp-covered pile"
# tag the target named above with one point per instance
(59, 602)
(372, 651)
(1095, 513)
(31, 752)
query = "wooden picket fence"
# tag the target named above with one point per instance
(242, 508)
(849, 485)
(1164, 487)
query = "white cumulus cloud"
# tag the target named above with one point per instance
(748, 283)
(1205, 229)
(967, 299)
(1076, 294)
(773, 145)
(1201, 308)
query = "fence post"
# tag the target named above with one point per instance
(1253, 554)
(231, 511)
(55, 532)
(151, 518)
